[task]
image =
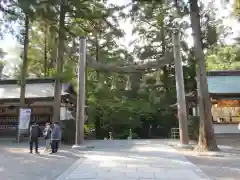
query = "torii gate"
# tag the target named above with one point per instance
(86, 60)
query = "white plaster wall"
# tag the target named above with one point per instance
(226, 128)
(32, 90)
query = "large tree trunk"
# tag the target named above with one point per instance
(53, 54)
(25, 62)
(58, 85)
(98, 115)
(206, 135)
(45, 51)
(24, 67)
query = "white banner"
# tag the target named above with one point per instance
(24, 119)
(65, 114)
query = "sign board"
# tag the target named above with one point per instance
(24, 119)
(65, 114)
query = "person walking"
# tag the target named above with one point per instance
(55, 137)
(35, 133)
(47, 136)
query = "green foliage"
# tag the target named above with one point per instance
(69, 130)
(117, 110)
(224, 58)
(236, 7)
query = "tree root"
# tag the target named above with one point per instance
(205, 148)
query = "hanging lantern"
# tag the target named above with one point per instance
(113, 86)
(158, 77)
(128, 84)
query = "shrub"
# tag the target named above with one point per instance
(69, 130)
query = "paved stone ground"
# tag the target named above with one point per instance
(17, 164)
(218, 168)
(139, 159)
(132, 160)
(224, 165)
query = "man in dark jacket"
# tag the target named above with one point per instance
(55, 137)
(35, 133)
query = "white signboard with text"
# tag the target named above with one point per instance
(24, 119)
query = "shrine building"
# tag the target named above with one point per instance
(224, 90)
(39, 98)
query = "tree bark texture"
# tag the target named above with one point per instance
(24, 69)
(207, 139)
(45, 51)
(58, 85)
(98, 114)
(24, 63)
(80, 115)
(53, 52)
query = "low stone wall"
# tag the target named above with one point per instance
(232, 140)
(226, 129)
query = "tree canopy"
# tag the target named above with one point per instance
(126, 89)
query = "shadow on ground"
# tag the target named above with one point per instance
(218, 168)
(17, 164)
(224, 165)
(134, 159)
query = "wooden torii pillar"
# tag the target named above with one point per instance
(80, 115)
(181, 101)
(182, 112)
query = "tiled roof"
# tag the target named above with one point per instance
(224, 84)
(34, 89)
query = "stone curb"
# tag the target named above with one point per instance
(65, 174)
